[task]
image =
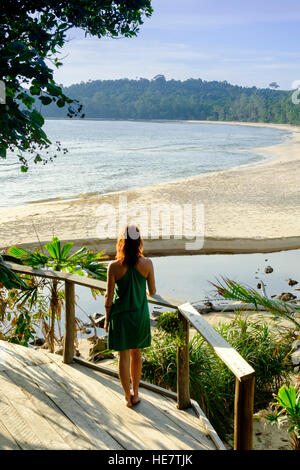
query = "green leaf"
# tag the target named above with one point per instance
(287, 397)
(60, 103)
(66, 249)
(35, 90)
(45, 100)
(37, 117)
(54, 248)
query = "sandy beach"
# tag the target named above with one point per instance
(254, 208)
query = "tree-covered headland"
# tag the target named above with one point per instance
(174, 99)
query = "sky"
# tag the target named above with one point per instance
(249, 43)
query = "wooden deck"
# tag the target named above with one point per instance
(45, 404)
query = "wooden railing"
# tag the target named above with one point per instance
(244, 373)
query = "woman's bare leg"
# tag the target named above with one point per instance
(124, 374)
(136, 371)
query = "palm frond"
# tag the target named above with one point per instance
(230, 289)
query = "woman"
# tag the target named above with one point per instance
(127, 314)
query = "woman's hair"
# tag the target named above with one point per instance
(129, 246)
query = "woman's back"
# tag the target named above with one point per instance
(144, 266)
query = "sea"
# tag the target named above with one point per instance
(109, 156)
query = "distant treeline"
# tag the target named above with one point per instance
(174, 99)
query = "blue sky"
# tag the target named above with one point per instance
(250, 43)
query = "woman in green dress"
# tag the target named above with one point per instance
(127, 314)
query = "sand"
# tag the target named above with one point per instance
(255, 208)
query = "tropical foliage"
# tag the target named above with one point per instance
(170, 323)
(287, 405)
(234, 291)
(174, 99)
(265, 347)
(57, 257)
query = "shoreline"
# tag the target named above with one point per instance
(251, 208)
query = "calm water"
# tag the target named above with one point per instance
(108, 156)
(187, 277)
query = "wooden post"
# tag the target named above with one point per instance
(69, 323)
(183, 368)
(243, 414)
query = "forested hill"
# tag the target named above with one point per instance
(173, 99)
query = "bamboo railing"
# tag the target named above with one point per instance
(244, 373)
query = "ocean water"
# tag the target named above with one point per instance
(109, 156)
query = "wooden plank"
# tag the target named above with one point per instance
(241, 369)
(114, 373)
(31, 415)
(69, 338)
(14, 355)
(60, 423)
(7, 441)
(18, 427)
(211, 431)
(88, 398)
(159, 392)
(75, 413)
(183, 368)
(58, 275)
(111, 397)
(243, 414)
(164, 301)
(84, 281)
(188, 424)
(134, 418)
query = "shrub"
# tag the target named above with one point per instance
(212, 384)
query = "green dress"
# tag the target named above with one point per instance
(129, 320)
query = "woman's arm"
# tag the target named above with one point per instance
(109, 294)
(151, 279)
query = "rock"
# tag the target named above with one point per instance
(295, 356)
(100, 356)
(258, 285)
(156, 313)
(99, 322)
(60, 351)
(97, 315)
(206, 307)
(286, 296)
(292, 282)
(92, 339)
(96, 353)
(37, 342)
(268, 270)
(87, 331)
(99, 346)
(272, 296)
